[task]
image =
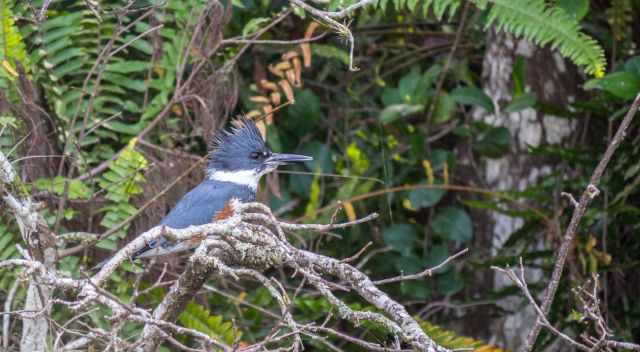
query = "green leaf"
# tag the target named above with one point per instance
(359, 161)
(331, 52)
(450, 282)
(548, 25)
(472, 96)
(401, 238)
(408, 84)
(7, 120)
(623, 84)
(453, 223)
(416, 289)
(199, 318)
(445, 108)
(574, 8)
(522, 102)
(305, 113)
(76, 189)
(128, 66)
(633, 65)
(253, 25)
(408, 264)
(394, 112)
(424, 198)
(494, 142)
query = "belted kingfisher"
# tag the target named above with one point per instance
(238, 159)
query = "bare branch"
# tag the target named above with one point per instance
(587, 196)
(427, 272)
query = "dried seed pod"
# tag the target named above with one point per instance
(279, 68)
(275, 98)
(291, 77)
(297, 68)
(288, 91)
(306, 47)
(283, 66)
(259, 99)
(268, 85)
(269, 116)
(254, 114)
(289, 55)
(275, 70)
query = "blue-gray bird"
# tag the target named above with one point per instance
(238, 159)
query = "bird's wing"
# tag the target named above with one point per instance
(197, 207)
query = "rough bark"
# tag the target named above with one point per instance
(552, 81)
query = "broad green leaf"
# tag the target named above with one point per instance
(453, 223)
(494, 142)
(623, 84)
(633, 65)
(472, 96)
(522, 102)
(574, 8)
(394, 112)
(321, 157)
(436, 255)
(409, 264)
(253, 25)
(424, 198)
(305, 113)
(445, 108)
(401, 237)
(416, 289)
(450, 282)
(330, 52)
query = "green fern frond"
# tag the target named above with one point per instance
(451, 340)
(535, 21)
(199, 318)
(122, 181)
(11, 44)
(440, 7)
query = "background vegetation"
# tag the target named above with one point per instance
(101, 113)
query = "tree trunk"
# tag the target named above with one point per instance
(549, 78)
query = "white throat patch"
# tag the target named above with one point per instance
(241, 177)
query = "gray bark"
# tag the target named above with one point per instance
(549, 78)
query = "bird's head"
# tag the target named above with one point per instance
(241, 156)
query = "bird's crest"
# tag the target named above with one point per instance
(243, 136)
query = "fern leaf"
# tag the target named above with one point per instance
(12, 47)
(440, 7)
(542, 25)
(197, 317)
(450, 339)
(122, 181)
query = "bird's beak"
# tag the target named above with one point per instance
(281, 159)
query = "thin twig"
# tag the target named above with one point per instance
(427, 272)
(589, 193)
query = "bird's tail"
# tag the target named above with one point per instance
(141, 253)
(101, 264)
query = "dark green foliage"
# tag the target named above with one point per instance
(199, 318)
(395, 138)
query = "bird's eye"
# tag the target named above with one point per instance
(255, 155)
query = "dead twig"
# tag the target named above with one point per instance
(587, 196)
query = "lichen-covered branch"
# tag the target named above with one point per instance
(244, 245)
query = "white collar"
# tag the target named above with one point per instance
(241, 177)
